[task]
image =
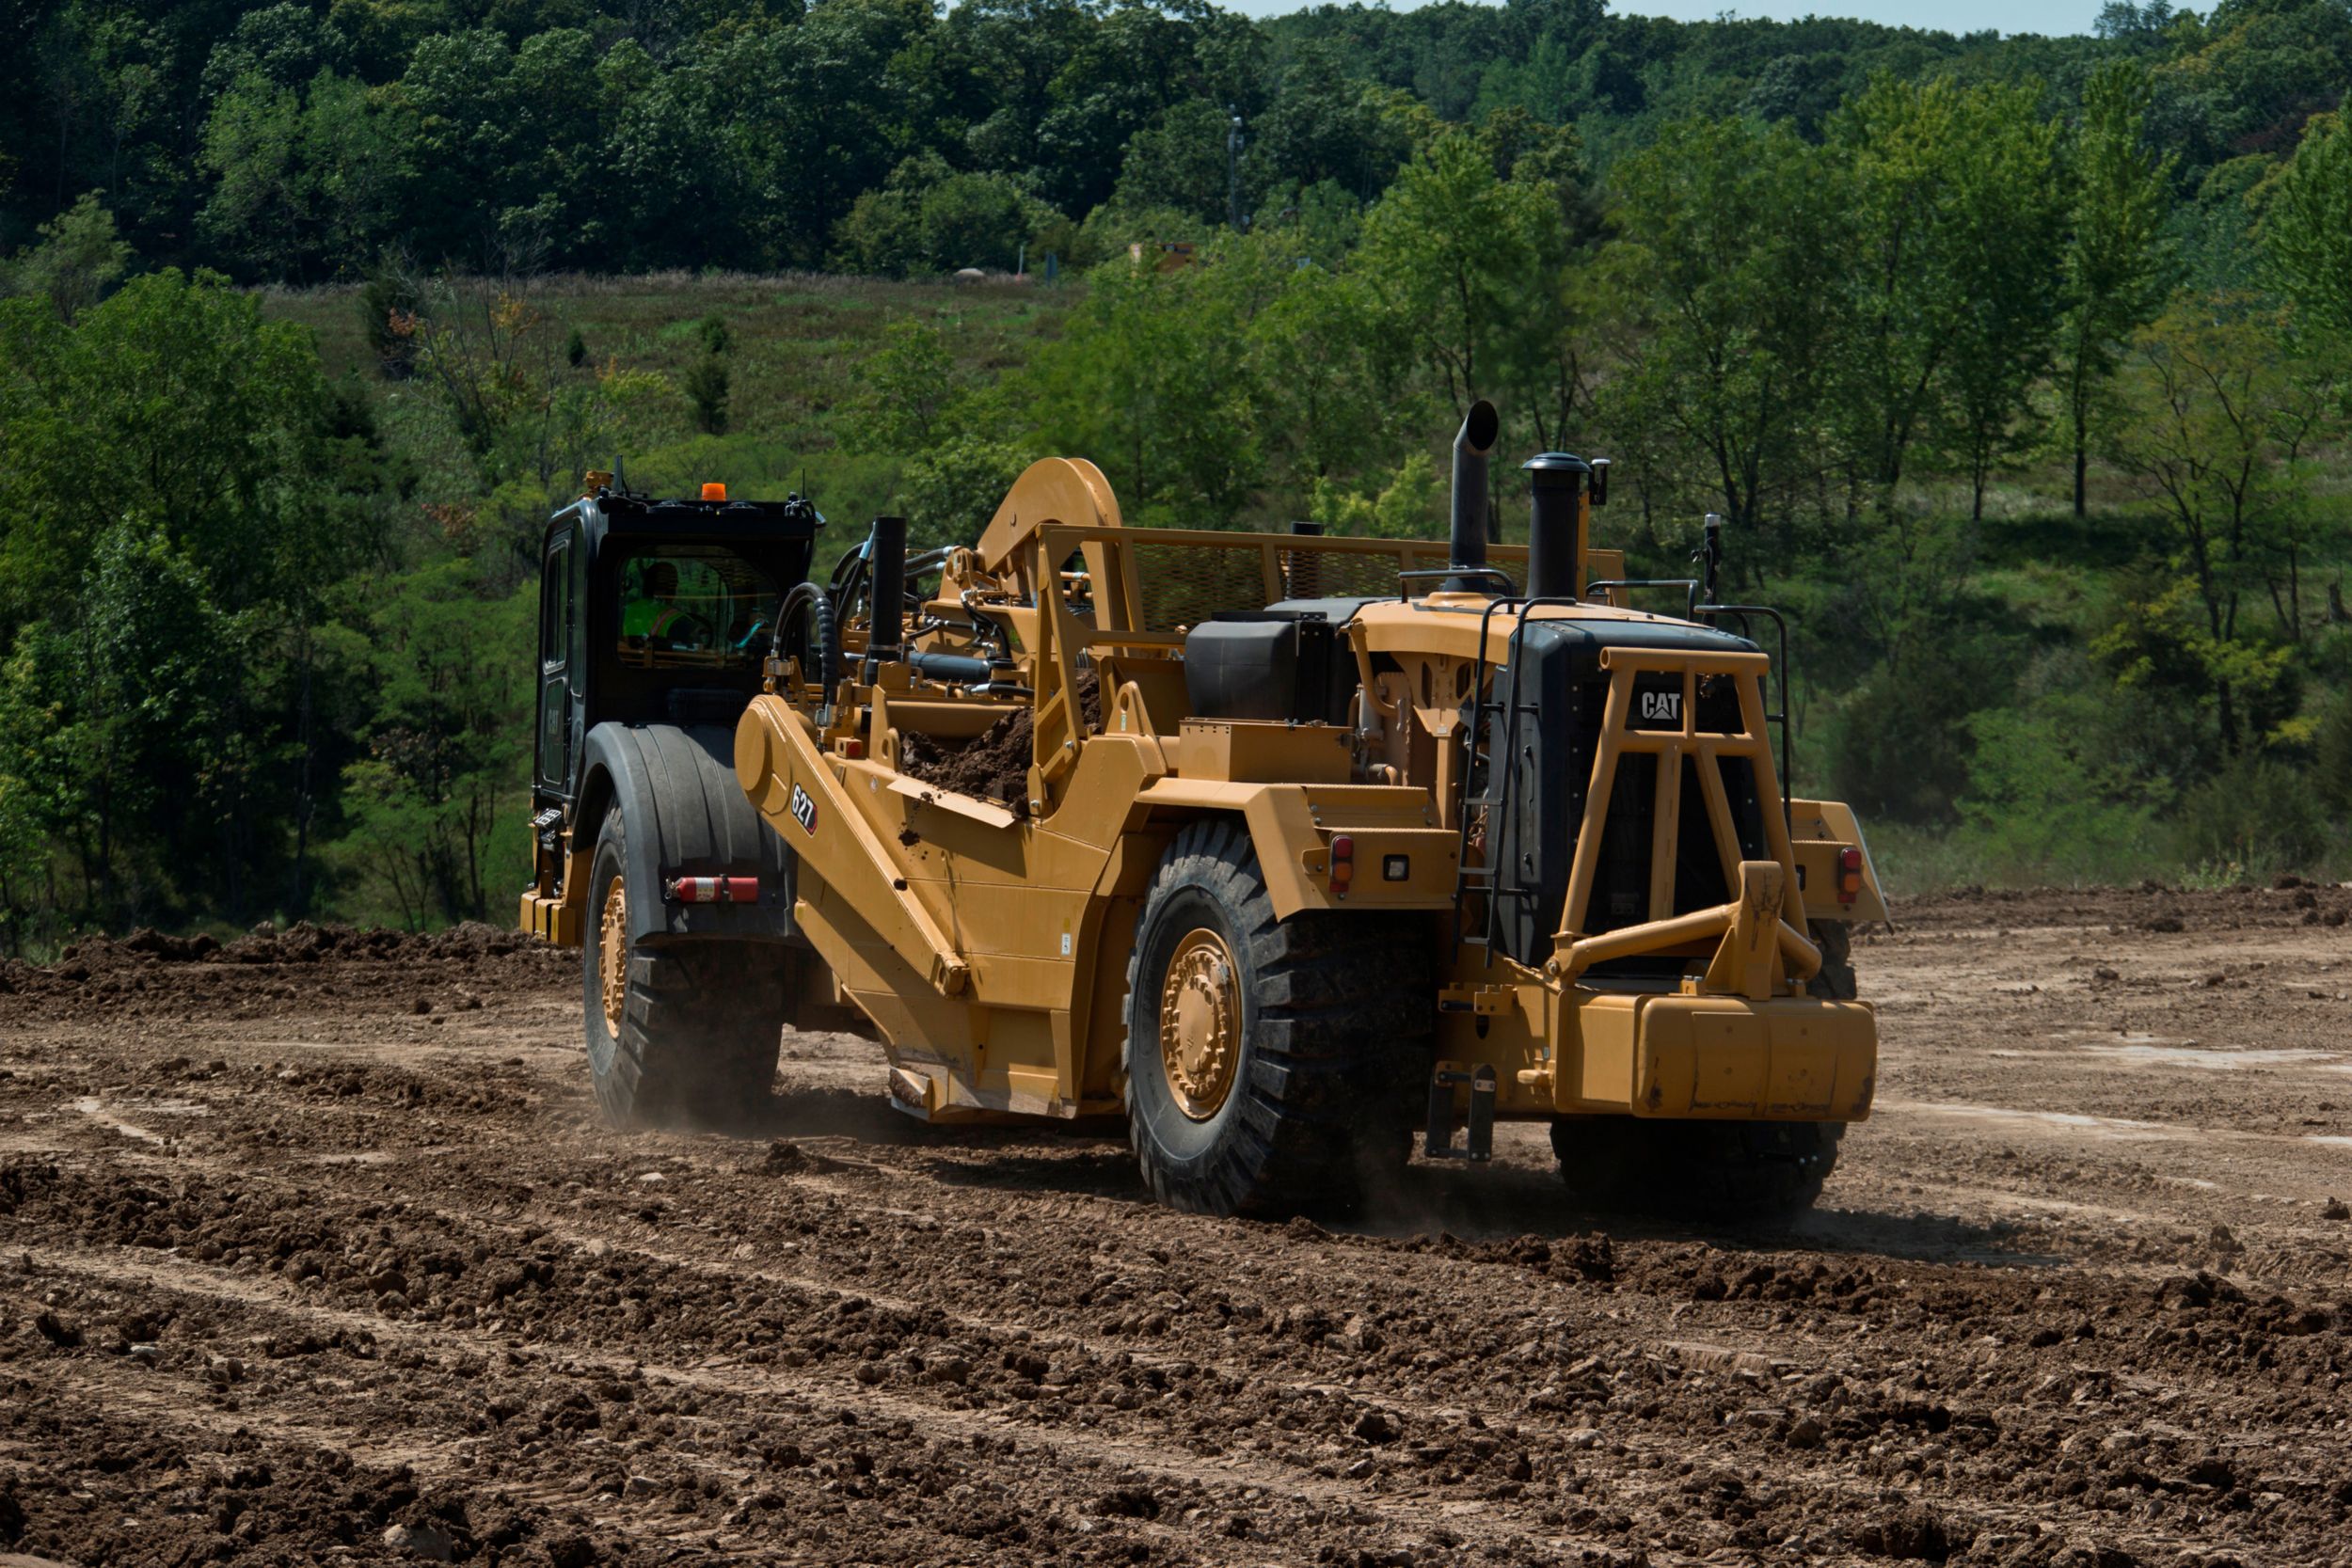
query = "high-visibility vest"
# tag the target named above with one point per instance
(649, 618)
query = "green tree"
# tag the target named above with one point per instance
(2307, 229)
(930, 219)
(1731, 265)
(904, 391)
(286, 44)
(2112, 266)
(2218, 432)
(305, 182)
(260, 201)
(706, 385)
(206, 415)
(816, 114)
(79, 258)
(1401, 505)
(1141, 380)
(1179, 163)
(1326, 372)
(1327, 123)
(1952, 311)
(1461, 260)
(950, 489)
(441, 792)
(954, 437)
(124, 729)
(239, 488)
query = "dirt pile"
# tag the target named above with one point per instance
(162, 1500)
(150, 971)
(995, 764)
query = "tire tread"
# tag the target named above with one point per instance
(1335, 998)
(702, 1022)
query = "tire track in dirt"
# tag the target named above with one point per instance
(1988, 1347)
(753, 1388)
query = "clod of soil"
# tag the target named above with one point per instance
(995, 764)
(1915, 1534)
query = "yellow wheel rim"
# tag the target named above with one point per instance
(613, 957)
(1200, 1024)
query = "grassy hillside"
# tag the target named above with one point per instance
(800, 342)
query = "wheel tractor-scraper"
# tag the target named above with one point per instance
(1291, 850)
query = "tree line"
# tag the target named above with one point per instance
(298, 141)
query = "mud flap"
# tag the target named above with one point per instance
(1478, 1141)
(686, 816)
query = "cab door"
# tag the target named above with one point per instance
(557, 609)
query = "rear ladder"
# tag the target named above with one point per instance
(1493, 805)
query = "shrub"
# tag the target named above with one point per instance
(390, 311)
(705, 384)
(2045, 800)
(2254, 818)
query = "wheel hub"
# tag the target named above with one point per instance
(1200, 1024)
(613, 957)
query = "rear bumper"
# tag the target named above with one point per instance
(1788, 1059)
(551, 919)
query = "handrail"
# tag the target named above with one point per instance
(1780, 675)
(1508, 709)
(1334, 544)
(1499, 576)
(1694, 611)
(1689, 585)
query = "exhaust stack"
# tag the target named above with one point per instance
(1555, 531)
(1468, 539)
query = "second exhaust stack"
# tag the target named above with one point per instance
(1555, 532)
(1468, 539)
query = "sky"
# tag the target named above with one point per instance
(1951, 16)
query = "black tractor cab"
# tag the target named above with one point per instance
(657, 613)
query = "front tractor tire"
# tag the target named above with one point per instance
(1836, 980)
(1724, 1172)
(1269, 1064)
(682, 1032)
(1711, 1172)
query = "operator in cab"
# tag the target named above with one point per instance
(653, 613)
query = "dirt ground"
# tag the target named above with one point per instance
(313, 1251)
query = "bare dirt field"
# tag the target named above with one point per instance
(312, 1250)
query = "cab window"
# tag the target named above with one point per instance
(555, 607)
(694, 605)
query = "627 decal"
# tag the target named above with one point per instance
(803, 810)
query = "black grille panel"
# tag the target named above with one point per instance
(1550, 751)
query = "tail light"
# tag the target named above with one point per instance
(712, 890)
(1848, 875)
(1342, 863)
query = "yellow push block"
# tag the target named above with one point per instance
(1788, 1059)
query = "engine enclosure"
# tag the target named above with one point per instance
(1548, 743)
